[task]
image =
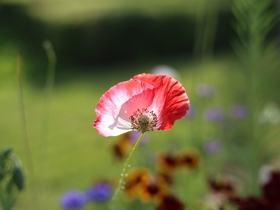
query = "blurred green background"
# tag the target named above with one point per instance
(98, 44)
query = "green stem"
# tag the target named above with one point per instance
(50, 78)
(212, 14)
(25, 136)
(198, 31)
(49, 86)
(124, 172)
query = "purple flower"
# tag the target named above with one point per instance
(214, 114)
(191, 113)
(239, 112)
(213, 146)
(134, 136)
(205, 91)
(100, 192)
(73, 200)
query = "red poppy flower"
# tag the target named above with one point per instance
(146, 102)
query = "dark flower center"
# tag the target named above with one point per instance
(152, 189)
(170, 161)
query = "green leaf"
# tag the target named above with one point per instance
(7, 152)
(9, 187)
(2, 175)
(18, 178)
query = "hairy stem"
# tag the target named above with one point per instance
(124, 172)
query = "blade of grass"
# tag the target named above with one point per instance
(25, 136)
(50, 77)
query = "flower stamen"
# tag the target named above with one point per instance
(143, 120)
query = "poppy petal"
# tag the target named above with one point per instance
(170, 98)
(110, 104)
(140, 101)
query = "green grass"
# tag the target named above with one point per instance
(74, 155)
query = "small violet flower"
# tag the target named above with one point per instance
(73, 200)
(191, 113)
(239, 112)
(134, 136)
(146, 102)
(205, 91)
(214, 114)
(213, 147)
(100, 192)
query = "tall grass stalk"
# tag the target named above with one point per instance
(210, 29)
(206, 22)
(205, 29)
(50, 78)
(254, 21)
(49, 83)
(199, 29)
(25, 137)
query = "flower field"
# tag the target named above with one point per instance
(208, 123)
(74, 157)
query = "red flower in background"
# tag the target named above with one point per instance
(146, 102)
(170, 202)
(268, 200)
